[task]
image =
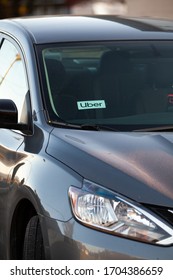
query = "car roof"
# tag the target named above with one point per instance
(51, 29)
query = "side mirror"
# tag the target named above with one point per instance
(8, 113)
(9, 117)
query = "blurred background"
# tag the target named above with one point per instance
(144, 8)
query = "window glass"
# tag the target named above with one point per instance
(13, 84)
(127, 85)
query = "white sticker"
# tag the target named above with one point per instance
(91, 104)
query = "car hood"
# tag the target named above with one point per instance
(136, 165)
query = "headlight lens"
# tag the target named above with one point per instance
(104, 210)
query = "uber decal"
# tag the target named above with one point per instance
(91, 104)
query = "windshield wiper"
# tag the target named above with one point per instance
(97, 127)
(64, 124)
(93, 127)
(155, 128)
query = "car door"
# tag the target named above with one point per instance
(14, 86)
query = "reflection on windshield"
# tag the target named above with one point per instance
(111, 84)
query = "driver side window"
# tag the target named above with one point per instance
(13, 82)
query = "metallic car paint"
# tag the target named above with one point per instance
(140, 165)
(40, 168)
(72, 240)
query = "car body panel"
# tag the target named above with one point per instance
(89, 28)
(132, 161)
(88, 244)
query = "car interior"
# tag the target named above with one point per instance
(131, 81)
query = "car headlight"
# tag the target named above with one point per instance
(104, 210)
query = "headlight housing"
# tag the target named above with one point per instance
(104, 210)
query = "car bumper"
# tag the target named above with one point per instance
(72, 240)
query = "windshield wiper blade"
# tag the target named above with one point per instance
(97, 127)
(65, 124)
(93, 127)
(155, 128)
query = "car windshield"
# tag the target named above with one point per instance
(123, 85)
